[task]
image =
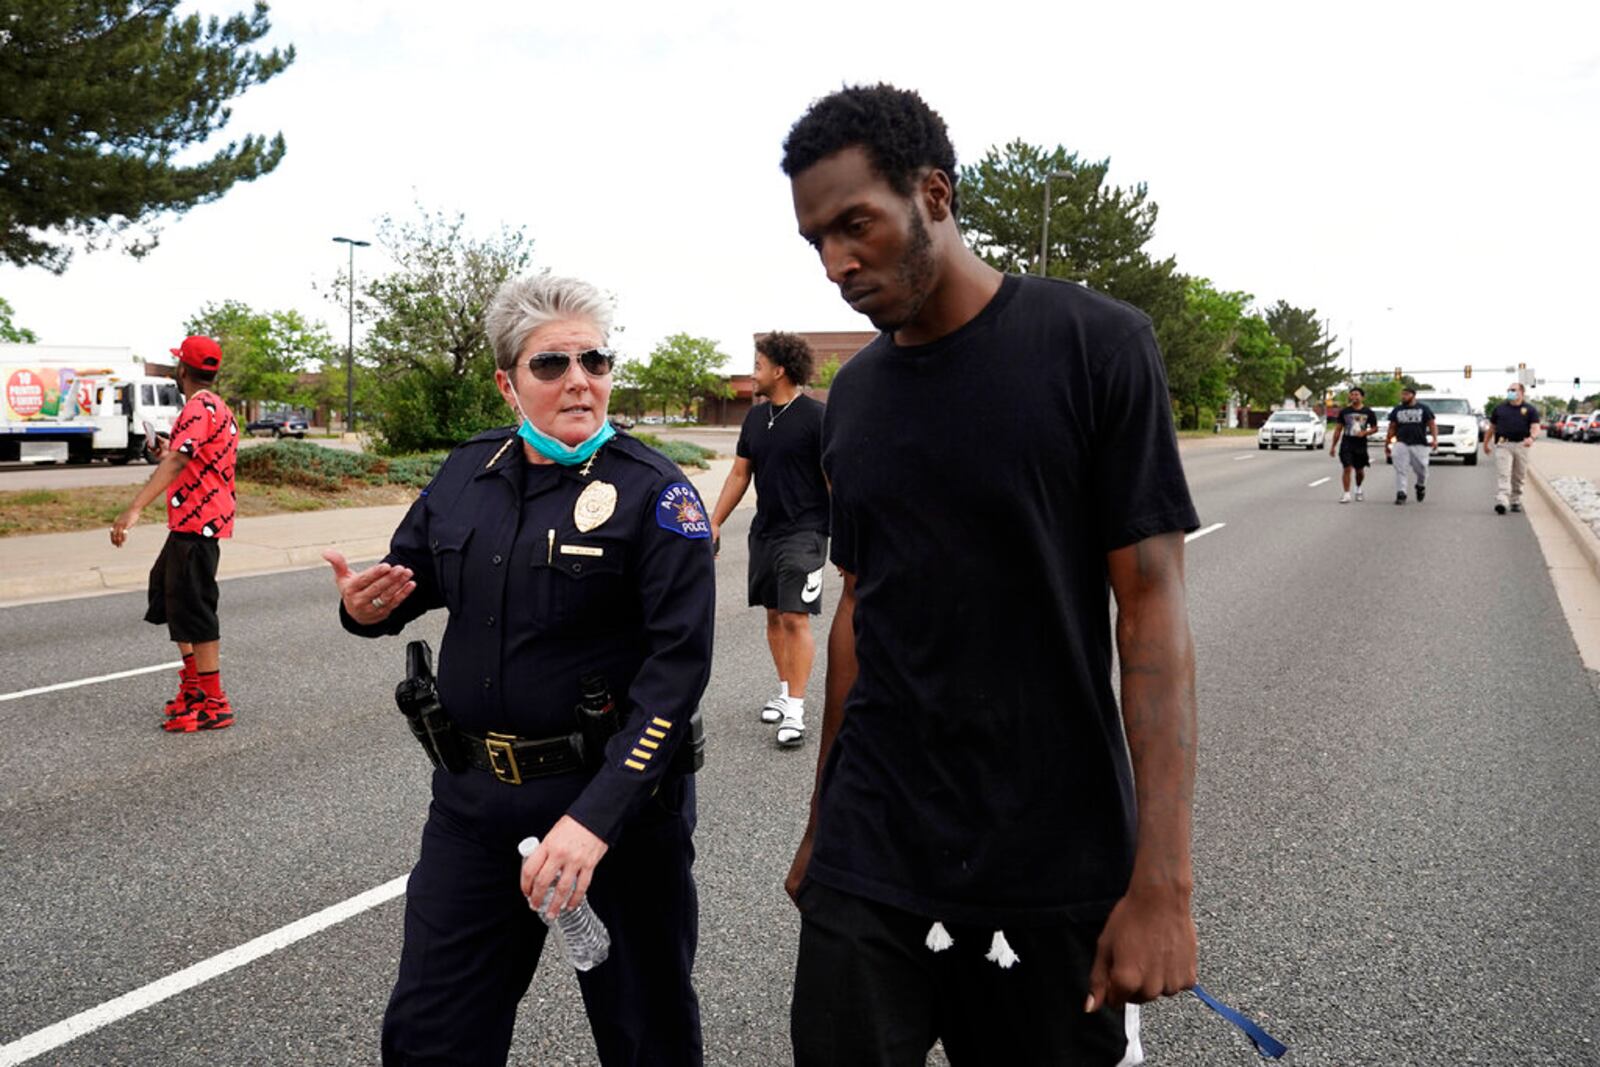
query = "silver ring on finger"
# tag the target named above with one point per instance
(377, 601)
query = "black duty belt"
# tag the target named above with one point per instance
(513, 760)
(1508, 439)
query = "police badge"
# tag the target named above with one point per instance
(595, 505)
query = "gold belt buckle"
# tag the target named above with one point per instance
(502, 758)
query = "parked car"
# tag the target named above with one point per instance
(1297, 428)
(1591, 428)
(279, 426)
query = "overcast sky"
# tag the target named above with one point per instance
(1425, 175)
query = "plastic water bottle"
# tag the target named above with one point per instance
(583, 937)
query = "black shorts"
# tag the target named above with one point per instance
(1352, 454)
(183, 588)
(868, 990)
(786, 571)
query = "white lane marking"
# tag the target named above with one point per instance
(1202, 532)
(89, 681)
(85, 1022)
(1237, 459)
(1319, 481)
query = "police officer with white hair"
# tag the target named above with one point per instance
(565, 553)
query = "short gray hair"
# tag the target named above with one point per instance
(522, 305)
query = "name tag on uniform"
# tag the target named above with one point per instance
(581, 550)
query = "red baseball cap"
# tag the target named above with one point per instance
(201, 353)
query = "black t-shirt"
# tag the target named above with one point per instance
(791, 494)
(978, 483)
(1355, 420)
(1513, 422)
(1411, 423)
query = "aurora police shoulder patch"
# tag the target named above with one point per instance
(678, 509)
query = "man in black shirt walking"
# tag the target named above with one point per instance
(781, 445)
(988, 862)
(1512, 427)
(1357, 422)
(1413, 435)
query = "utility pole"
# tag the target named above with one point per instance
(350, 342)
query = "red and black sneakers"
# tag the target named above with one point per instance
(202, 713)
(187, 694)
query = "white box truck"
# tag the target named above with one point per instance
(67, 404)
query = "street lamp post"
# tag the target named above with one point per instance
(1044, 236)
(350, 344)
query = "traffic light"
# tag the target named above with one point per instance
(1397, 374)
(1468, 372)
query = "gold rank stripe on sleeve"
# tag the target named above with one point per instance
(647, 743)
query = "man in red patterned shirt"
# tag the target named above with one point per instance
(196, 473)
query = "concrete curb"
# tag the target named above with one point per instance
(1583, 537)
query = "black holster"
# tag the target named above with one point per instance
(599, 720)
(417, 696)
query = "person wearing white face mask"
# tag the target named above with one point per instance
(1512, 426)
(575, 566)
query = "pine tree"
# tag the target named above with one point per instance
(97, 99)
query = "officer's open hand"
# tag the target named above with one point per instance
(370, 595)
(1148, 949)
(566, 859)
(716, 540)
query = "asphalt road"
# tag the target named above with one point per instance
(1396, 821)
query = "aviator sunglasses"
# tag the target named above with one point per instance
(552, 366)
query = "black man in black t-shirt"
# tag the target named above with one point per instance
(1357, 422)
(780, 445)
(998, 857)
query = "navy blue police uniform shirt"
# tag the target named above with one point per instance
(1513, 422)
(1411, 423)
(1354, 422)
(535, 602)
(980, 773)
(786, 456)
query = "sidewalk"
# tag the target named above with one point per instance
(57, 566)
(1571, 547)
(1552, 460)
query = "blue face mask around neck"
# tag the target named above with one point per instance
(566, 455)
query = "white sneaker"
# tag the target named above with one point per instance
(792, 732)
(1361, 494)
(1345, 499)
(772, 710)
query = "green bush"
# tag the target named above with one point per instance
(683, 453)
(429, 408)
(329, 469)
